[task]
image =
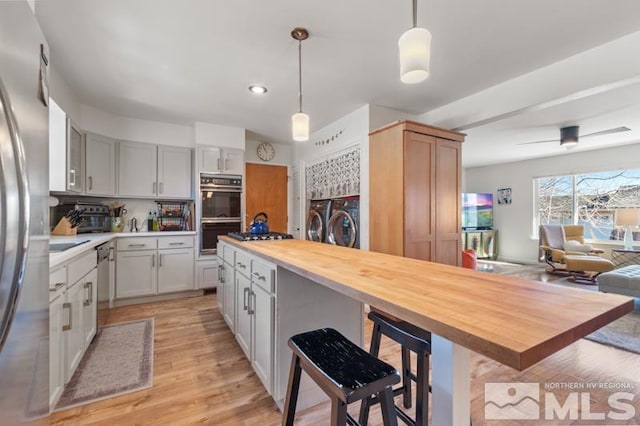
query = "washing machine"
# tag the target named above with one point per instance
(317, 219)
(343, 228)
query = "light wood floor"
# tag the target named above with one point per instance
(201, 376)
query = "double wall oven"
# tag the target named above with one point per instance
(220, 201)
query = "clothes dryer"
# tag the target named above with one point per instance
(317, 219)
(343, 228)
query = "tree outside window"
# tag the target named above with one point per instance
(589, 199)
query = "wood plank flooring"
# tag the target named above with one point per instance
(202, 377)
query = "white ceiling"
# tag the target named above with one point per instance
(182, 61)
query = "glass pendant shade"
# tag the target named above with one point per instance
(415, 52)
(300, 126)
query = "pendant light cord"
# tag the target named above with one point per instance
(300, 75)
(415, 13)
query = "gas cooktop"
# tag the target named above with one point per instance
(245, 236)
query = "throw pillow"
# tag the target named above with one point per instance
(576, 246)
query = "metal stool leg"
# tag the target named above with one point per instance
(373, 350)
(289, 412)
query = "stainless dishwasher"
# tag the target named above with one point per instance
(103, 280)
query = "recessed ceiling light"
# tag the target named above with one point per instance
(258, 90)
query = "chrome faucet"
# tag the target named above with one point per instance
(134, 225)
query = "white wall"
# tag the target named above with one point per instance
(133, 129)
(217, 135)
(62, 93)
(283, 156)
(380, 116)
(515, 222)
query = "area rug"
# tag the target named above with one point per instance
(623, 333)
(118, 361)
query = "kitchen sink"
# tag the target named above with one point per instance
(58, 247)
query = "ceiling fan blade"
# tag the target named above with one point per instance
(607, 132)
(530, 143)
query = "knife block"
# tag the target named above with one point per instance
(64, 228)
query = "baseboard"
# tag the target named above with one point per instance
(158, 298)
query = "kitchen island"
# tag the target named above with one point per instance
(513, 321)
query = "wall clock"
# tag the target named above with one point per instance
(266, 151)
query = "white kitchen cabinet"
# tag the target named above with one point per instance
(175, 270)
(90, 306)
(57, 315)
(100, 165)
(57, 148)
(75, 158)
(243, 313)
(262, 334)
(208, 274)
(220, 285)
(136, 273)
(220, 160)
(174, 172)
(74, 330)
(137, 165)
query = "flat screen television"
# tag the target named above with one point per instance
(477, 211)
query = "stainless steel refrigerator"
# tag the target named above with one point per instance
(24, 218)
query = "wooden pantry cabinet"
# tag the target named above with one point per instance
(415, 186)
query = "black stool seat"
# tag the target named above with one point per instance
(411, 338)
(343, 370)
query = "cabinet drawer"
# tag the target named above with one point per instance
(58, 278)
(263, 274)
(82, 266)
(126, 244)
(243, 263)
(175, 242)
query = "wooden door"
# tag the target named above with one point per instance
(267, 192)
(447, 208)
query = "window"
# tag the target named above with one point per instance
(589, 199)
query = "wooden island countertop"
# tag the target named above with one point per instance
(514, 321)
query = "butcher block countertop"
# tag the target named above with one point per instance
(514, 321)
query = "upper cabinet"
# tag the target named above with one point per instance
(57, 148)
(147, 170)
(220, 160)
(174, 172)
(75, 155)
(100, 165)
(137, 176)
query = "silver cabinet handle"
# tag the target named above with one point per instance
(246, 293)
(89, 300)
(154, 187)
(161, 187)
(252, 306)
(219, 168)
(67, 327)
(176, 244)
(221, 274)
(160, 260)
(72, 172)
(58, 285)
(224, 274)
(153, 260)
(111, 256)
(137, 245)
(90, 183)
(241, 265)
(14, 221)
(260, 277)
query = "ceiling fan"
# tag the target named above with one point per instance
(569, 135)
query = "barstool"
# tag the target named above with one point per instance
(411, 338)
(344, 371)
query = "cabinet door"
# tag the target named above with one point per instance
(101, 165)
(263, 306)
(230, 297)
(174, 172)
(208, 273)
(243, 315)
(136, 273)
(447, 188)
(57, 317)
(220, 287)
(90, 306)
(74, 339)
(57, 148)
(137, 169)
(175, 270)
(210, 160)
(75, 154)
(233, 160)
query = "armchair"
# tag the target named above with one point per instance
(556, 241)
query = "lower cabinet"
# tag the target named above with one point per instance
(90, 306)
(57, 359)
(220, 287)
(243, 313)
(262, 332)
(207, 274)
(148, 266)
(74, 336)
(229, 295)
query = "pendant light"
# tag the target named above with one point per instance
(415, 52)
(300, 120)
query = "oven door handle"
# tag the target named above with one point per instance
(221, 220)
(220, 188)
